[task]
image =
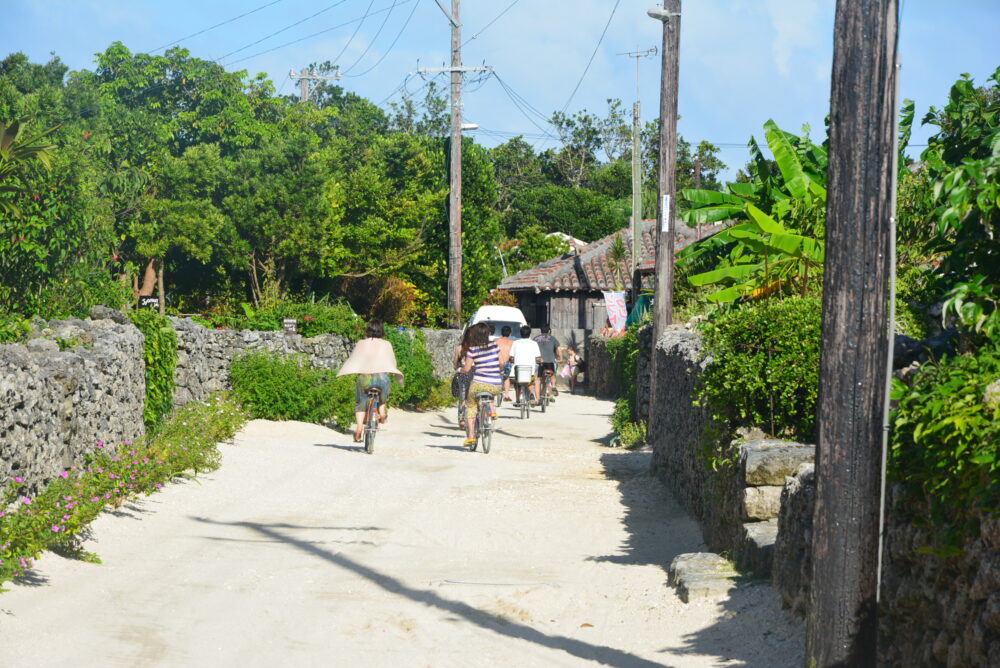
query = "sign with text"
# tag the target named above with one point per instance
(617, 313)
(149, 302)
(289, 325)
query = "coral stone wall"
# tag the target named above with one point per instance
(55, 405)
(204, 355)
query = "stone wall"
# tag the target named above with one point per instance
(204, 355)
(602, 373)
(938, 610)
(55, 405)
(792, 568)
(441, 344)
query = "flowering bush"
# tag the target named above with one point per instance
(53, 519)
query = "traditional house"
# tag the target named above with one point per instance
(566, 292)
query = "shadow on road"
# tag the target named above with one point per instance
(491, 622)
(751, 622)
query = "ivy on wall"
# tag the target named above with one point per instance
(159, 352)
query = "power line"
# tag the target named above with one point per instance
(587, 68)
(315, 34)
(391, 46)
(281, 30)
(356, 29)
(200, 32)
(483, 29)
(374, 38)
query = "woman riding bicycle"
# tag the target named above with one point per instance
(373, 360)
(484, 356)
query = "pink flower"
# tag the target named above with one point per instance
(55, 528)
(16, 479)
(27, 501)
(159, 484)
(100, 444)
(65, 474)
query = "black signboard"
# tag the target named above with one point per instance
(149, 302)
(290, 325)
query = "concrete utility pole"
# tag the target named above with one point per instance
(843, 618)
(305, 76)
(455, 160)
(637, 169)
(663, 297)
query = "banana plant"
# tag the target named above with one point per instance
(15, 152)
(776, 242)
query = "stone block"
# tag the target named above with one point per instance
(702, 575)
(756, 549)
(769, 461)
(761, 503)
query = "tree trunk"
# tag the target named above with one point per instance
(148, 280)
(159, 285)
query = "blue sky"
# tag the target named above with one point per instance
(742, 61)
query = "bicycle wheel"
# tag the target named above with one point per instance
(488, 426)
(371, 426)
(522, 392)
(543, 395)
(483, 425)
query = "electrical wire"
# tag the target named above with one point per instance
(587, 68)
(281, 30)
(315, 34)
(391, 46)
(483, 29)
(374, 38)
(200, 32)
(355, 33)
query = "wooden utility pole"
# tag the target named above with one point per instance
(637, 169)
(663, 303)
(663, 296)
(843, 622)
(455, 196)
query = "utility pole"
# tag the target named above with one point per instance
(843, 619)
(305, 76)
(663, 297)
(697, 180)
(637, 169)
(455, 161)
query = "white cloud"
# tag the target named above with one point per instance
(796, 25)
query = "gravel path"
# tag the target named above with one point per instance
(301, 550)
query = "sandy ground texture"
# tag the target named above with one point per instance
(551, 550)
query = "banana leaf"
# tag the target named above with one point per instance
(795, 178)
(735, 272)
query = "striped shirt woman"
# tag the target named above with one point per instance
(484, 355)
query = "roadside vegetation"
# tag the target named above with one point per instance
(57, 517)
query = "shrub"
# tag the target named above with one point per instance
(159, 352)
(13, 328)
(313, 319)
(54, 519)
(624, 350)
(945, 443)
(764, 369)
(416, 364)
(285, 387)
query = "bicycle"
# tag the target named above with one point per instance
(524, 375)
(371, 418)
(485, 425)
(543, 391)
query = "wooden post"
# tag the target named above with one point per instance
(663, 295)
(455, 195)
(843, 624)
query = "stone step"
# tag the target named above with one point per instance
(761, 503)
(702, 575)
(755, 551)
(768, 461)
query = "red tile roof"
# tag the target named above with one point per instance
(590, 268)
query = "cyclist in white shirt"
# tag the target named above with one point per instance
(525, 352)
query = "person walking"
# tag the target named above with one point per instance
(551, 355)
(373, 362)
(483, 355)
(575, 365)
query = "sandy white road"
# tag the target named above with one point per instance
(303, 551)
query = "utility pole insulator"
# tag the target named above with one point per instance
(305, 76)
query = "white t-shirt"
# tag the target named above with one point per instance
(524, 352)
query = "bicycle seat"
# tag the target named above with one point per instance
(483, 395)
